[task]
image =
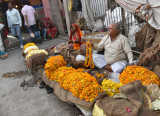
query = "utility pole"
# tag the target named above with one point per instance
(56, 16)
(67, 15)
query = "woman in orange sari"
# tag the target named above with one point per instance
(75, 36)
(51, 29)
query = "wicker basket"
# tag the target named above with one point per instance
(91, 39)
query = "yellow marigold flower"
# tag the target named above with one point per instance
(110, 87)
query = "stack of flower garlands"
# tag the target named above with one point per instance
(31, 49)
(111, 87)
(36, 52)
(132, 73)
(28, 45)
(80, 84)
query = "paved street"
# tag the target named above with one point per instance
(14, 101)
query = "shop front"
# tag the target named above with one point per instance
(37, 5)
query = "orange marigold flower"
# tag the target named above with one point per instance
(132, 73)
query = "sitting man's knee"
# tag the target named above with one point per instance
(118, 67)
(95, 56)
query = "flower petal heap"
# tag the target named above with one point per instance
(79, 83)
(110, 87)
(52, 64)
(82, 85)
(132, 73)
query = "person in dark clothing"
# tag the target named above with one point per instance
(41, 29)
(47, 87)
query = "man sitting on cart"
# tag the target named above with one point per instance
(117, 51)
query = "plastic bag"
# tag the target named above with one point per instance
(153, 91)
(114, 77)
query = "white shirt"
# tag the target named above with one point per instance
(117, 50)
(13, 17)
(29, 12)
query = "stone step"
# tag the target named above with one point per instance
(14, 42)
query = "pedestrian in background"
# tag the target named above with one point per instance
(14, 22)
(41, 29)
(30, 20)
(51, 29)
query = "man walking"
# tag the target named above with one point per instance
(14, 22)
(30, 22)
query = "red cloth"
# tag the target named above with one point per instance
(78, 33)
(51, 29)
(5, 33)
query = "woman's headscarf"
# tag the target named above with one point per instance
(47, 19)
(77, 31)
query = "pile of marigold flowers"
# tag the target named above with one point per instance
(53, 63)
(111, 87)
(82, 85)
(31, 49)
(79, 83)
(132, 73)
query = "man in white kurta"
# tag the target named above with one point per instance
(117, 51)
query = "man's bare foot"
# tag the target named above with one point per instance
(108, 67)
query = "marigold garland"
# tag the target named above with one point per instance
(36, 52)
(81, 84)
(89, 58)
(28, 44)
(132, 73)
(110, 87)
(30, 48)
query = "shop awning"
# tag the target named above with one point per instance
(146, 9)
